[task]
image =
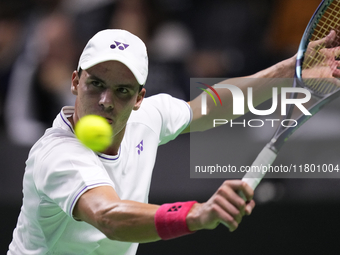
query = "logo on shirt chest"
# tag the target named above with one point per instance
(140, 147)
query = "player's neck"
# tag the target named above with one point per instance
(117, 140)
(114, 147)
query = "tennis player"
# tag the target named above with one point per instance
(77, 201)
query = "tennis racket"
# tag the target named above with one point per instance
(316, 65)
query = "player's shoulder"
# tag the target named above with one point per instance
(151, 110)
(158, 104)
(157, 109)
(57, 141)
(160, 100)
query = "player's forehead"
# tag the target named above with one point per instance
(112, 72)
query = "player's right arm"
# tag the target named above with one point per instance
(225, 207)
(131, 221)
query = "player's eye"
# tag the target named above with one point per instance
(97, 84)
(123, 90)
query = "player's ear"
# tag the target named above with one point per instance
(75, 83)
(139, 100)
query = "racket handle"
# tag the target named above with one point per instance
(265, 158)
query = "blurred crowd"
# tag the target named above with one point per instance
(41, 41)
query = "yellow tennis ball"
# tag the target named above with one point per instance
(94, 132)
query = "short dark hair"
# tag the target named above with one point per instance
(80, 71)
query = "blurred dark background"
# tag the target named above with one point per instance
(40, 42)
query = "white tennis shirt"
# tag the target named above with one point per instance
(59, 170)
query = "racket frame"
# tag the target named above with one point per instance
(269, 153)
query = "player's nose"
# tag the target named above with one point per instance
(106, 99)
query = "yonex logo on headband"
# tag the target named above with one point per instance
(121, 46)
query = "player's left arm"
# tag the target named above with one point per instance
(262, 84)
(263, 87)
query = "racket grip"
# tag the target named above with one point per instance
(257, 172)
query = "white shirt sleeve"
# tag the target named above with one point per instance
(66, 171)
(174, 115)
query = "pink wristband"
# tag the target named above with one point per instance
(170, 219)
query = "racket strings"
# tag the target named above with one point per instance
(320, 86)
(330, 20)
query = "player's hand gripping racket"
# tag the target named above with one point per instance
(316, 70)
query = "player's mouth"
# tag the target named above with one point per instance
(109, 120)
